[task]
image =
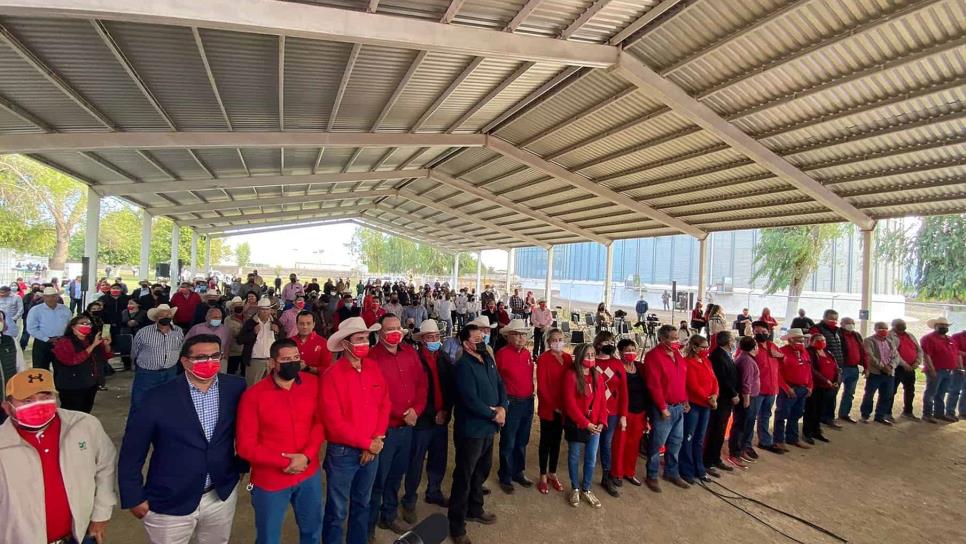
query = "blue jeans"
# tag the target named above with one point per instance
(933, 398)
(606, 440)
(347, 487)
(589, 451)
(765, 438)
(850, 378)
(789, 411)
(514, 437)
(743, 426)
(430, 445)
(271, 506)
(884, 385)
(146, 380)
(955, 395)
(669, 432)
(393, 462)
(692, 451)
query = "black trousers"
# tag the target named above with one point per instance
(907, 378)
(814, 406)
(551, 432)
(79, 400)
(235, 365)
(42, 354)
(537, 342)
(474, 459)
(717, 423)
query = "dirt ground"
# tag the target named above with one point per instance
(871, 484)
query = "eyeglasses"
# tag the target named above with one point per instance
(199, 358)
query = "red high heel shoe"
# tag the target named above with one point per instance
(555, 483)
(542, 488)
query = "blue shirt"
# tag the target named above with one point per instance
(44, 322)
(206, 405)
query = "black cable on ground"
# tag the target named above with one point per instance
(736, 496)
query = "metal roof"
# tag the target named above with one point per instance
(516, 122)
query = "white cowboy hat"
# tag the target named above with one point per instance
(482, 322)
(346, 329)
(50, 292)
(265, 303)
(212, 293)
(153, 312)
(237, 301)
(793, 333)
(931, 323)
(516, 325)
(428, 326)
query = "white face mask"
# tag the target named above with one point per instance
(849, 327)
(556, 346)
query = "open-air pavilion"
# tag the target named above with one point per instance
(485, 124)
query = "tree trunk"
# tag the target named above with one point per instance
(794, 292)
(58, 261)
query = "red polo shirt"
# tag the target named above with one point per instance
(701, 382)
(56, 506)
(941, 350)
(767, 369)
(959, 340)
(355, 404)
(186, 307)
(615, 378)
(314, 351)
(907, 348)
(665, 376)
(550, 374)
(273, 421)
(516, 369)
(796, 367)
(405, 378)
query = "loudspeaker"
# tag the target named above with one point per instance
(162, 270)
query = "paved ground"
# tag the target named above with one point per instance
(872, 484)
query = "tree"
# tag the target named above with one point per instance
(243, 254)
(940, 255)
(384, 253)
(786, 256)
(41, 208)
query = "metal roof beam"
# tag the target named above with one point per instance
(290, 215)
(538, 163)
(689, 107)
(583, 19)
(273, 227)
(401, 232)
(505, 202)
(74, 141)
(454, 7)
(494, 92)
(24, 115)
(460, 78)
(124, 189)
(522, 15)
(261, 202)
(563, 76)
(325, 23)
(449, 230)
(643, 21)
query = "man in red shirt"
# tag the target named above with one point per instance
(666, 374)
(515, 365)
(910, 358)
(854, 362)
(186, 301)
(957, 392)
(795, 385)
(407, 386)
(279, 434)
(312, 348)
(942, 360)
(354, 409)
(767, 358)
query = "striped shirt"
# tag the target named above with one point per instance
(155, 350)
(206, 405)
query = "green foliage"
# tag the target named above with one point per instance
(786, 256)
(392, 254)
(243, 254)
(940, 257)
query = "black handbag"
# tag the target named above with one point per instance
(573, 433)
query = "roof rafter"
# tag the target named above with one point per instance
(273, 227)
(643, 21)
(449, 230)
(494, 92)
(262, 202)
(317, 213)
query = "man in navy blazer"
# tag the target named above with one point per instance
(190, 424)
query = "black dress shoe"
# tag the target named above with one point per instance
(678, 481)
(633, 480)
(610, 488)
(820, 438)
(713, 472)
(507, 488)
(721, 466)
(808, 440)
(523, 481)
(486, 518)
(444, 502)
(773, 449)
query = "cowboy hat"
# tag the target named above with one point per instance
(793, 333)
(516, 325)
(153, 312)
(346, 329)
(265, 303)
(931, 323)
(50, 292)
(212, 293)
(482, 322)
(237, 301)
(428, 326)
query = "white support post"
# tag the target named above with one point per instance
(865, 308)
(479, 273)
(548, 290)
(145, 264)
(702, 267)
(456, 272)
(174, 275)
(90, 236)
(194, 251)
(509, 270)
(608, 272)
(208, 266)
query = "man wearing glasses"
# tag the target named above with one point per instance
(189, 423)
(280, 434)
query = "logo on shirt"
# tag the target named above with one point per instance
(82, 445)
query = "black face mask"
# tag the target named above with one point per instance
(608, 349)
(238, 309)
(157, 292)
(288, 371)
(942, 330)
(481, 348)
(212, 303)
(164, 321)
(761, 337)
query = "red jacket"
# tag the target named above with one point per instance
(700, 381)
(854, 351)
(186, 307)
(355, 404)
(768, 369)
(577, 406)
(405, 378)
(665, 376)
(615, 378)
(516, 369)
(824, 368)
(796, 368)
(273, 421)
(550, 377)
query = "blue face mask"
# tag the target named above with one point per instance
(214, 322)
(434, 346)
(486, 338)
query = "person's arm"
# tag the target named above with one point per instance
(314, 443)
(138, 437)
(571, 405)
(422, 385)
(18, 309)
(337, 426)
(104, 476)
(66, 355)
(247, 425)
(622, 399)
(466, 392)
(653, 380)
(33, 325)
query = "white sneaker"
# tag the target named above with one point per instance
(590, 498)
(575, 498)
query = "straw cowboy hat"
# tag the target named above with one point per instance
(346, 329)
(516, 325)
(265, 303)
(428, 326)
(237, 301)
(50, 292)
(793, 333)
(212, 293)
(482, 322)
(153, 312)
(931, 323)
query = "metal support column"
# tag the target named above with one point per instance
(92, 229)
(608, 272)
(549, 288)
(479, 273)
(194, 251)
(702, 267)
(509, 270)
(208, 265)
(865, 308)
(175, 273)
(144, 267)
(456, 272)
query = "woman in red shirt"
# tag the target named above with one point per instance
(698, 320)
(78, 356)
(825, 376)
(627, 441)
(551, 367)
(770, 321)
(615, 378)
(585, 411)
(702, 388)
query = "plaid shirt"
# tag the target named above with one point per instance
(155, 350)
(206, 405)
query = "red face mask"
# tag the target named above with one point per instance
(393, 338)
(300, 304)
(131, 308)
(629, 356)
(800, 347)
(360, 350)
(206, 370)
(588, 363)
(832, 323)
(882, 333)
(84, 329)
(819, 344)
(36, 414)
(115, 292)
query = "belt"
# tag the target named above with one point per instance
(519, 399)
(208, 489)
(142, 369)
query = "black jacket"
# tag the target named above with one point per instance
(726, 372)
(444, 366)
(247, 337)
(113, 308)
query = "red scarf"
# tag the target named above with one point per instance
(434, 372)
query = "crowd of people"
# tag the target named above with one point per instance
(373, 384)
